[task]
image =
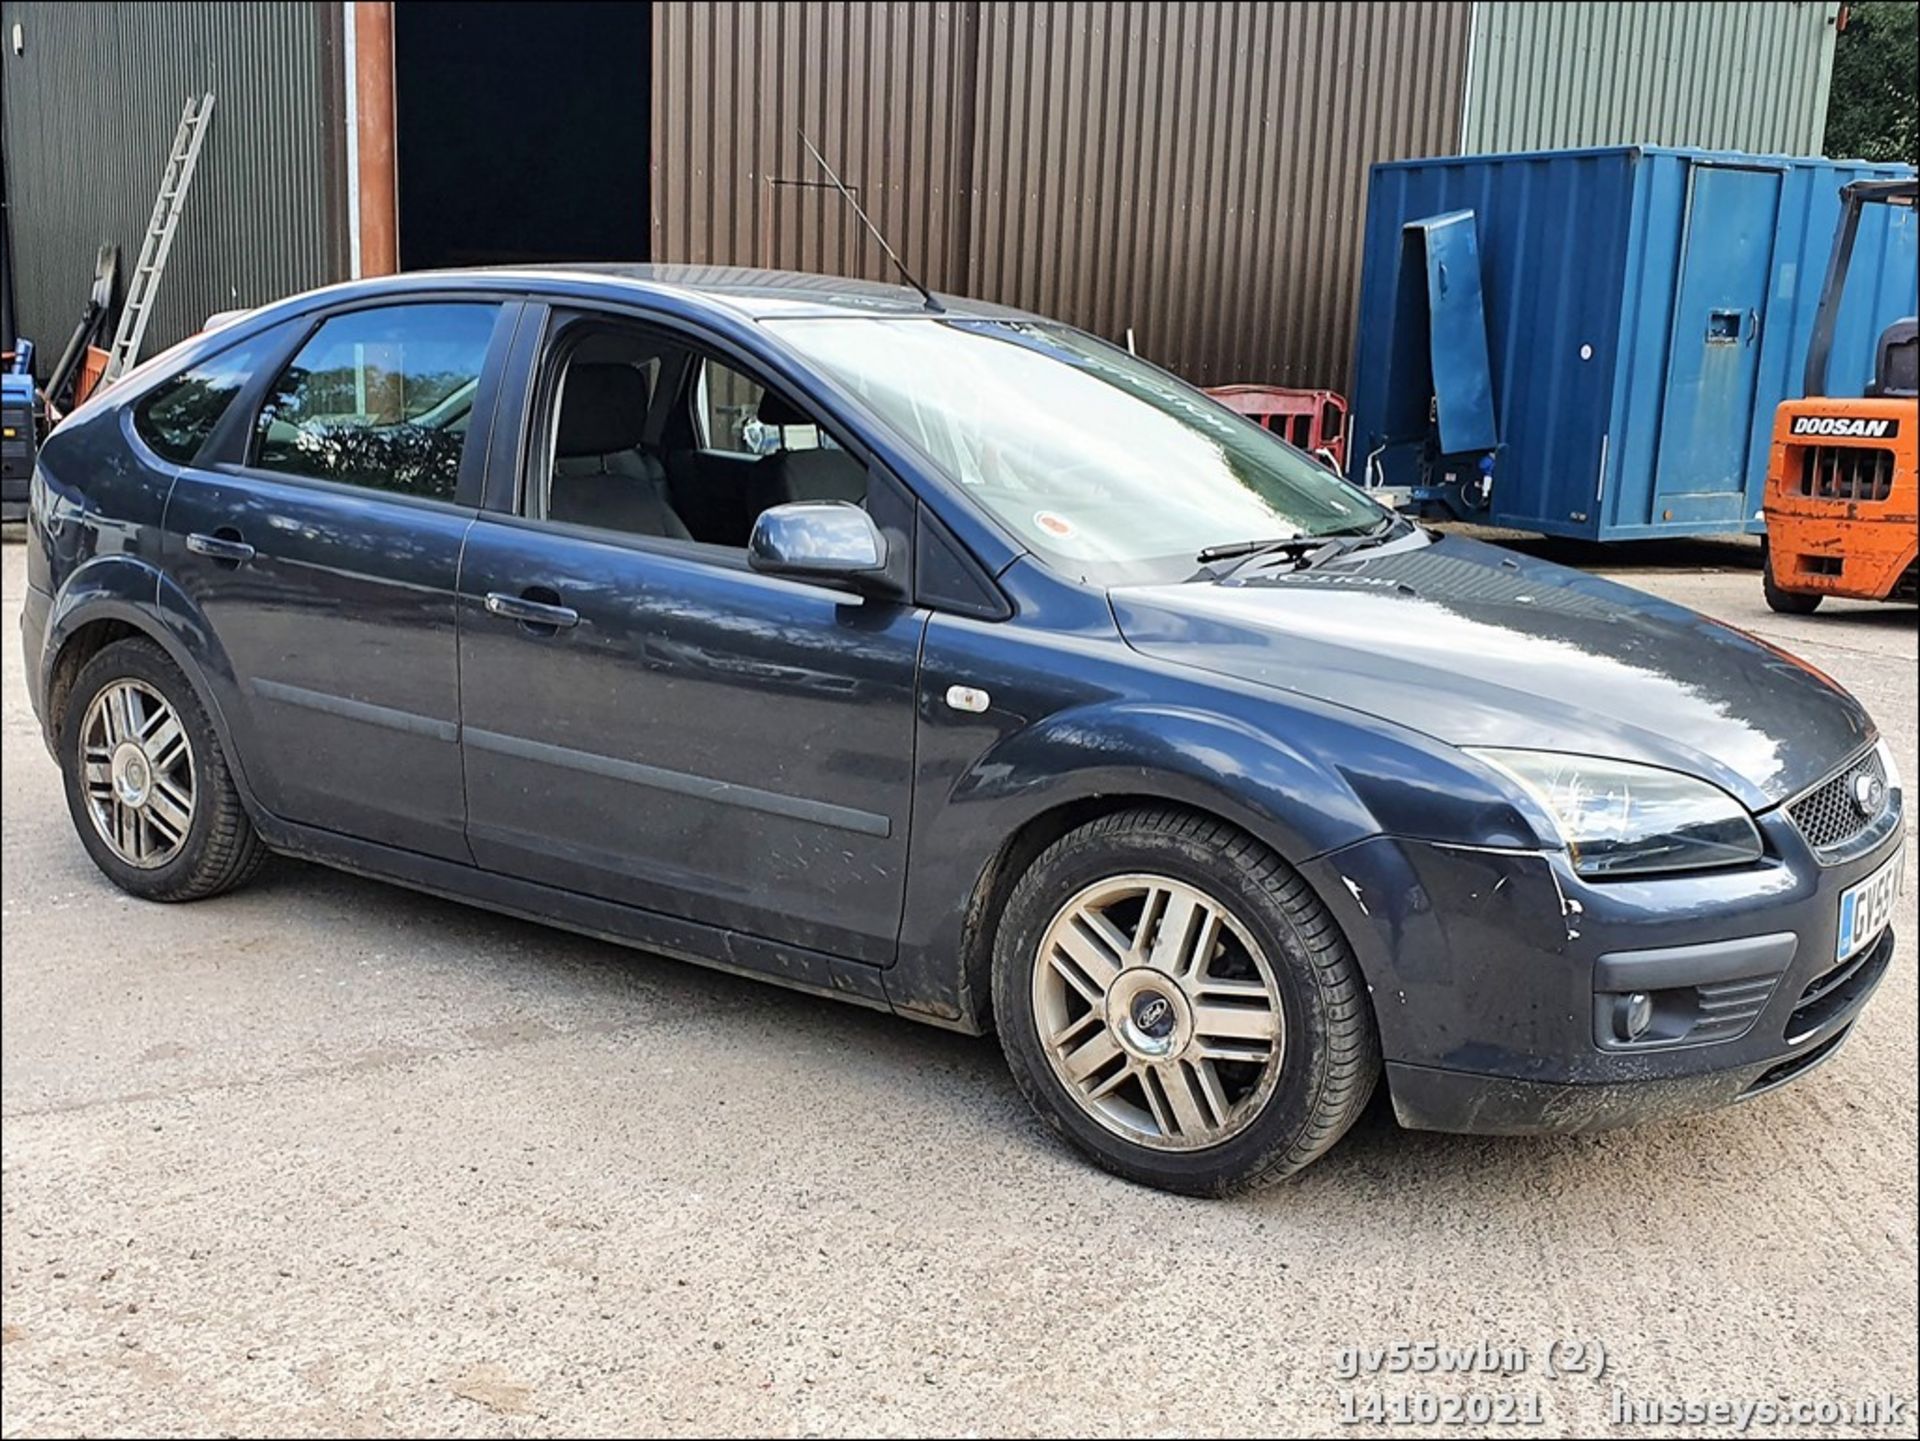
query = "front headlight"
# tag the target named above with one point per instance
(1618, 818)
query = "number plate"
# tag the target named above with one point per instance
(1866, 908)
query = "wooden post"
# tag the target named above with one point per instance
(373, 99)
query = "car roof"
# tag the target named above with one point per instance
(754, 294)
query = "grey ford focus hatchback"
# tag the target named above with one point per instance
(946, 660)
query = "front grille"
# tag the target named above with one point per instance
(1829, 815)
(1725, 1009)
(1846, 472)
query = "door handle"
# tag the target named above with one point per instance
(531, 612)
(224, 544)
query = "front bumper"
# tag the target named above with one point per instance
(1492, 973)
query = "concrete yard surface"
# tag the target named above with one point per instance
(329, 1157)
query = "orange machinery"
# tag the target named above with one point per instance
(1843, 502)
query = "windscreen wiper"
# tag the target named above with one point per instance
(1239, 549)
(1346, 542)
(1385, 528)
(1307, 548)
(1308, 551)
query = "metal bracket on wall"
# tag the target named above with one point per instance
(174, 180)
(769, 231)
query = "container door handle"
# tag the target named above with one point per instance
(1753, 326)
(223, 545)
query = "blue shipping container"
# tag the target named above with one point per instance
(1646, 311)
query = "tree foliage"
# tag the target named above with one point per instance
(1874, 112)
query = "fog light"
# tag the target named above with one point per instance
(1632, 1014)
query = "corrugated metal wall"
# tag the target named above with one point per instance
(1194, 171)
(884, 91)
(90, 111)
(1718, 74)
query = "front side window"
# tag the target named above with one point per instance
(1106, 466)
(380, 398)
(177, 417)
(648, 435)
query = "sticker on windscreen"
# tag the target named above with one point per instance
(1057, 526)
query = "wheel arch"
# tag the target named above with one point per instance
(1023, 846)
(116, 598)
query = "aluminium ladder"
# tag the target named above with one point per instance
(174, 181)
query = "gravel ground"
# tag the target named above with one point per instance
(328, 1157)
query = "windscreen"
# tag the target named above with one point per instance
(1109, 468)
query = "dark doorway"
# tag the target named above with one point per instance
(522, 131)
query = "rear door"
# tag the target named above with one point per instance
(1713, 363)
(320, 537)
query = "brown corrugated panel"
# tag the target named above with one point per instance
(878, 88)
(1194, 171)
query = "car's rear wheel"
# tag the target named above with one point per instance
(1175, 1000)
(147, 785)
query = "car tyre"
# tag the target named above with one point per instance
(147, 784)
(1141, 878)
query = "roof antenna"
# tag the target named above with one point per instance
(847, 194)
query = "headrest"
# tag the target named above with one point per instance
(603, 409)
(775, 410)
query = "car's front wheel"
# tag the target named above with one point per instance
(1175, 1001)
(147, 785)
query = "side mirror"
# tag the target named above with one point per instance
(823, 540)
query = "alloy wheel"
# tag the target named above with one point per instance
(138, 773)
(1158, 1012)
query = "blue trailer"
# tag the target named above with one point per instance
(1592, 343)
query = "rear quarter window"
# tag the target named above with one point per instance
(176, 417)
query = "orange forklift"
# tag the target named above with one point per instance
(1842, 503)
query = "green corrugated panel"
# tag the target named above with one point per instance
(1710, 73)
(91, 102)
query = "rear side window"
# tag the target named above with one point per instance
(176, 419)
(380, 398)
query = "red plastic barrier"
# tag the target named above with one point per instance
(1310, 419)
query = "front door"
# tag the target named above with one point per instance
(1713, 364)
(324, 551)
(648, 720)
